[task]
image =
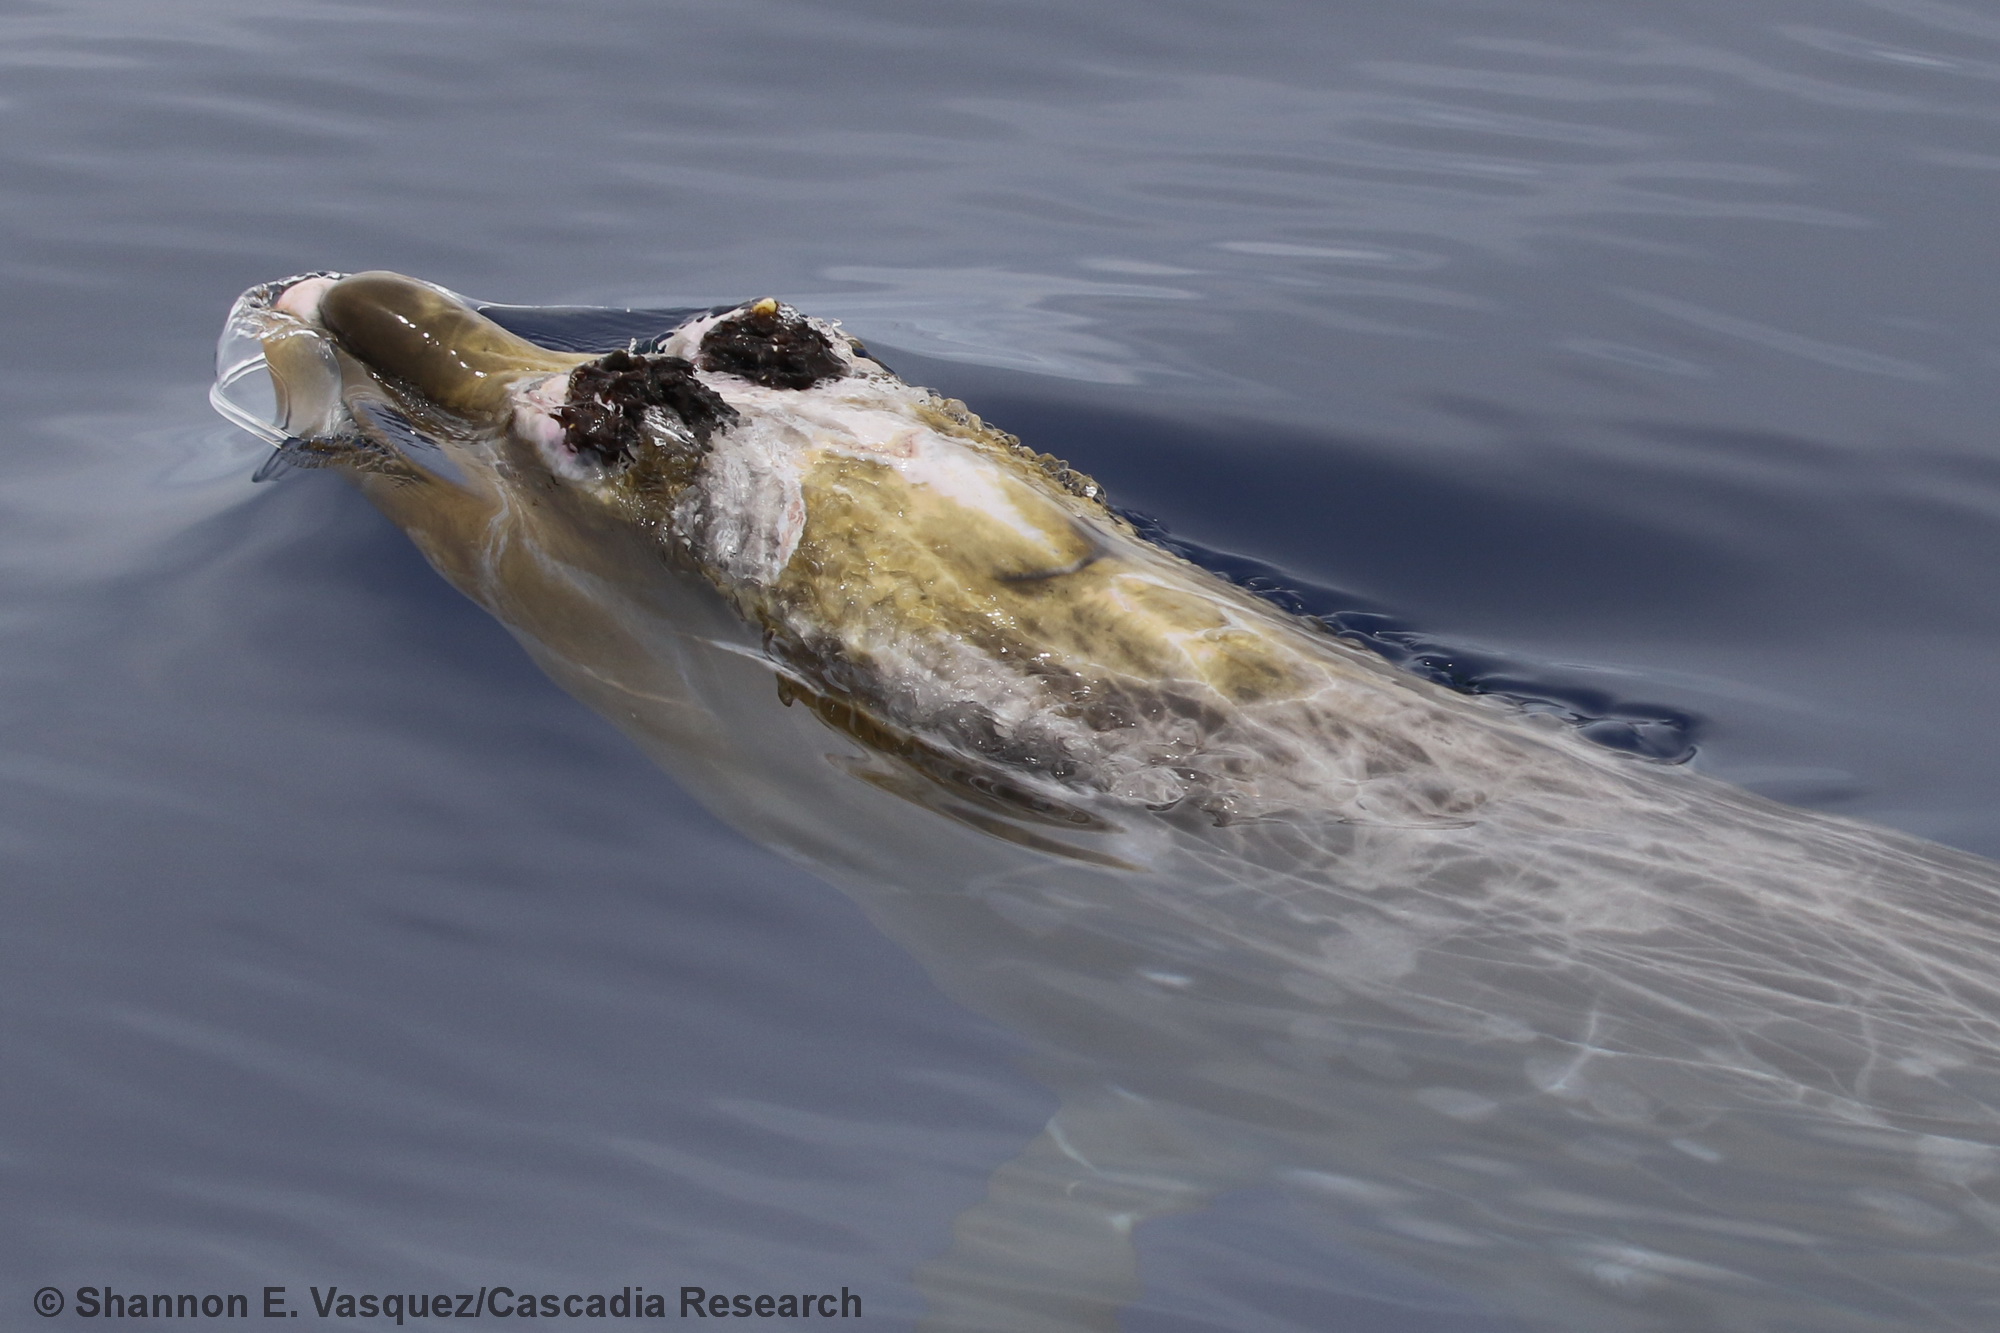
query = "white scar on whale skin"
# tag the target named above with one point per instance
(1612, 1044)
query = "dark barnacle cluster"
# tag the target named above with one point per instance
(772, 345)
(604, 417)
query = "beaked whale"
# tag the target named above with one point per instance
(1609, 1042)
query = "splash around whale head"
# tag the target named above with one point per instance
(1636, 1049)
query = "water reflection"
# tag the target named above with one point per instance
(1019, 321)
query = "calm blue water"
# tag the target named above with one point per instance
(1645, 349)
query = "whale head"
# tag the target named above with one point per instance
(384, 374)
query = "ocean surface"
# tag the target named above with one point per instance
(1638, 359)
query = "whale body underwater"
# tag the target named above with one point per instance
(1591, 1041)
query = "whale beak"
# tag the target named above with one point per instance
(380, 373)
(426, 338)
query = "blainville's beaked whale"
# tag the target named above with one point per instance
(1605, 1041)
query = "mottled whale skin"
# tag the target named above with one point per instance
(1606, 1042)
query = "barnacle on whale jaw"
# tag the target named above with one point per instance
(604, 414)
(773, 345)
